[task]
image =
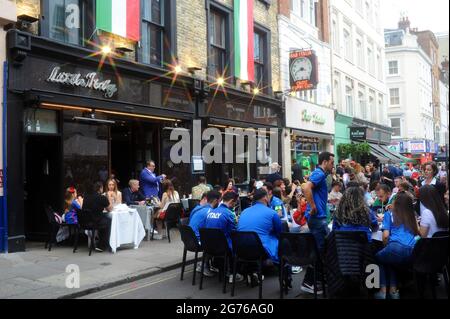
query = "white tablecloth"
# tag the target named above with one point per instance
(185, 203)
(126, 227)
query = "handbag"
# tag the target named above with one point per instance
(162, 215)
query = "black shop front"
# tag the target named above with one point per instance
(72, 121)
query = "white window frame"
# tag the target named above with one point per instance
(348, 43)
(389, 68)
(399, 125)
(390, 97)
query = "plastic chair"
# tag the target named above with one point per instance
(247, 248)
(347, 254)
(299, 249)
(173, 216)
(191, 243)
(429, 257)
(86, 222)
(214, 244)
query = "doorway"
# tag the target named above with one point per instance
(43, 170)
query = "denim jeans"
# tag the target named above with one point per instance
(394, 254)
(319, 228)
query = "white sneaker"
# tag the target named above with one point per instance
(206, 271)
(297, 269)
(158, 237)
(239, 278)
(214, 269)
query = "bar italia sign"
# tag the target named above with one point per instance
(89, 81)
(303, 70)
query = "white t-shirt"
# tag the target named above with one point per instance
(427, 220)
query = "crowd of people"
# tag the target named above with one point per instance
(403, 203)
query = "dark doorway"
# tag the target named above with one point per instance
(43, 168)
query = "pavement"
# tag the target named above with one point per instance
(40, 274)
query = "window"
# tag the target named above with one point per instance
(394, 96)
(348, 45)
(372, 106)
(152, 32)
(369, 13)
(337, 91)
(359, 6)
(312, 17)
(395, 124)
(360, 53)
(261, 65)
(393, 67)
(362, 102)
(380, 65)
(218, 44)
(381, 111)
(303, 8)
(349, 97)
(370, 61)
(335, 36)
(64, 18)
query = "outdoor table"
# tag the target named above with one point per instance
(126, 227)
(185, 203)
(377, 235)
(146, 214)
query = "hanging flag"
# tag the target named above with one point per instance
(243, 40)
(121, 17)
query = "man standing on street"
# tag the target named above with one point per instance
(149, 181)
(316, 194)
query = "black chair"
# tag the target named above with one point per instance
(247, 248)
(214, 244)
(86, 222)
(430, 257)
(191, 243)
(245, 203)
(54, 227)
(347, 254)
(171, 220)
(299, 249)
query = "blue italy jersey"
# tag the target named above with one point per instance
(277, 204)
(320, 193)
(222, 218)
(198, 218)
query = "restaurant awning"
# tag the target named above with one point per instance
(402, 158)
(378, 153)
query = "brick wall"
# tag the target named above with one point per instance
(192, 43)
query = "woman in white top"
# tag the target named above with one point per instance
(113, 193)
(170, 196)
(433, 214)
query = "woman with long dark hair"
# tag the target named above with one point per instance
(433, 214)
(400, 234)
(352, 213)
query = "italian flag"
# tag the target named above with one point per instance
(243, 40)
(120, 17)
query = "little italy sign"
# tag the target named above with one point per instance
(89, 81)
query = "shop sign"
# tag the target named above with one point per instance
(395, 147)
(316, 118)
(428, 146)
(89, 81)
(358, 133)
(417, 146)
(303, 70)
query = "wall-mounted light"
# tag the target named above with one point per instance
(106, 49)
(123, 50)
(177, 69)
(220, 81)
(193, 69)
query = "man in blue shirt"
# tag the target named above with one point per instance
(277, 204)
(150, 183)
(316, 193)
(264, 221)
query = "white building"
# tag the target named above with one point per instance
(443, 134)
(358, 60)
(409, 81)
(442, 38)
(309, 114)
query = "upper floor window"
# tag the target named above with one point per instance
(218, 43)
(335, 31)
(393, 67)
(395, 124)
(370, 61)
(349, 96)
(348, 45)
(152, 47)
(64, 20)
(261, 56)
(394, 96)
(312, 12)
(360, 53)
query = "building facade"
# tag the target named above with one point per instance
(358, 58)
(303, 25)
(7, 16)
(409, 80)
(86, 100)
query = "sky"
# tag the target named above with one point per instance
(425, 15)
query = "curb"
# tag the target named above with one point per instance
(129, 279)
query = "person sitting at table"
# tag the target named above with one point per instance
(203, 201)
(132, 195)
(72, 206)
(433, 214)
(400, 234)
(352, 213)
(96, 203)
(264, 221)
(170, 196)
(277, 204)
(200, 189)
(230, 187)
(197, 220)
(113, 193)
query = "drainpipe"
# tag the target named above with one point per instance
(3, 201)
